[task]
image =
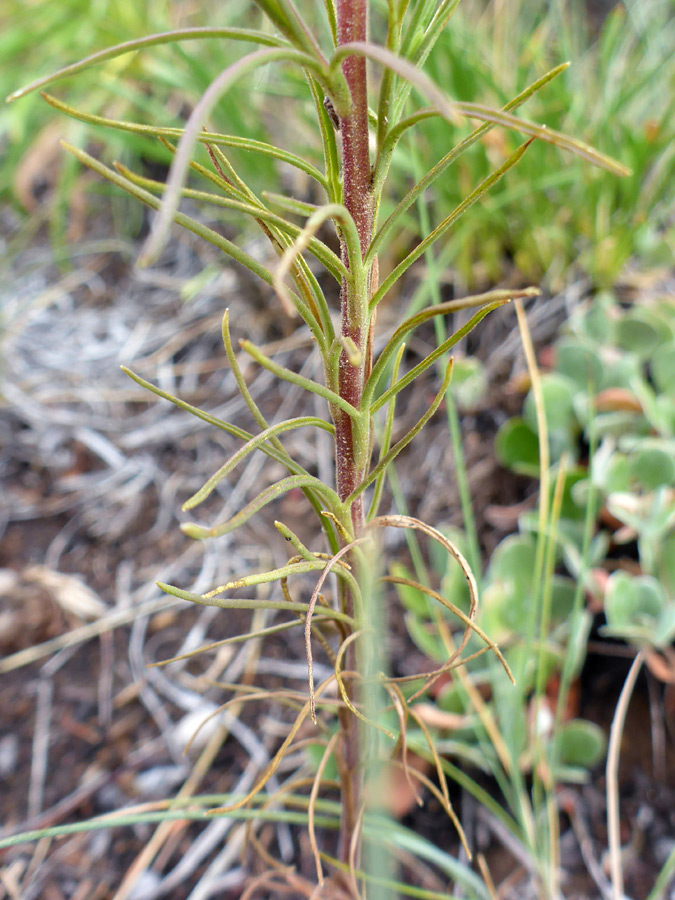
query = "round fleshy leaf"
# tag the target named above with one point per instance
(517, 447)
(469, 381)
(598, 321)
(666, 625)
(562, 597)
(617, 475)
(579, 625)
(666, 564)
(513, 563)
(558, 394)
(633, 605)
(581, 743)
(636, 335)
(621, 372)
(579, 361)
(652, 468)
(663, 369)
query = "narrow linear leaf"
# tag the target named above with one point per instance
(168, 37)
(401, 67)
(235, 639)
(285, 16)
(193, 127)
(382, 166)
(452, 111)
(166, 815)
(442, 309)
(250, 145)
(297, 566)
(323, 253)
(254, 444)
(228, 247)
(562, 141)
(306, 238)
(290, 204)
(403, 443)
(244, 603)
(386, 437)
(310, 493)
(271, 449)
(443, 227)
(431, 35)
(263, 499)
(306, 383)
(427, 361)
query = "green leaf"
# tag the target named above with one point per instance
(315, 755)
(580, 743)
(306, 383)
(513, 564)
(400, 445)
(469, 381)
(413, 600)
(429, 360)
(284, 15)
(579, 628)
(517, 447)
(562, 597)
(451, 110)
(652, 467)
(446, 224)
(558, 395)
(177, 174)
(636, 335)
(169, 37)
(250, 145)
(666, 564)
(267, 496)
(579, 361)
(418, 189)
(253, 444)
(248, 603)
(425, 638)
(611, 470)
(633, 605)
(208, 234)
(663, 369)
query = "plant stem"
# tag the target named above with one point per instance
(352, 438)
(352, 19)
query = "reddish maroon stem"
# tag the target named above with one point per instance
(352, 25)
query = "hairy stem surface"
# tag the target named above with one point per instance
(352, 439)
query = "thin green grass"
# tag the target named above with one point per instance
(618, 94)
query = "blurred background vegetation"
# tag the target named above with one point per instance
(550, 216)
